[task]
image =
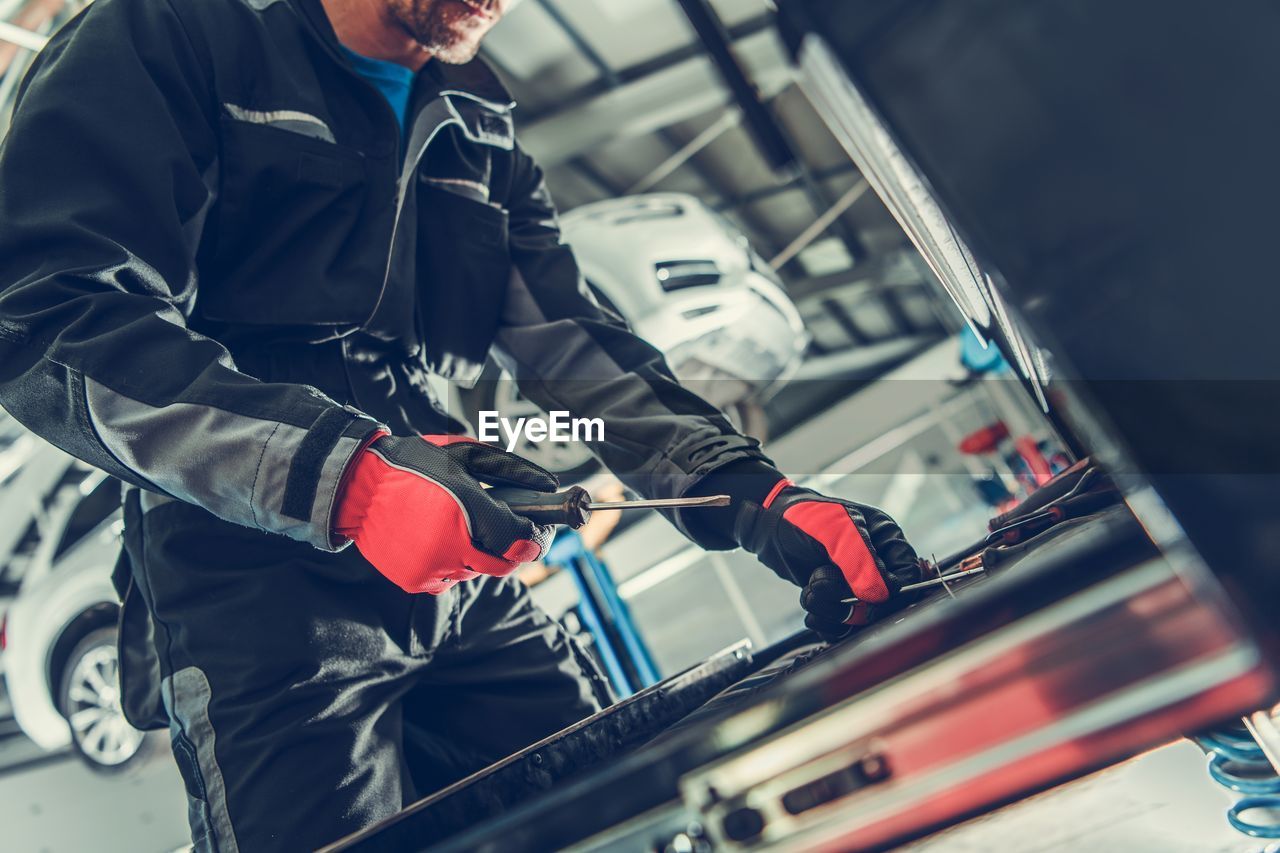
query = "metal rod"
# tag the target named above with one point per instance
(945, 579)
(666, 168)
(22, 37)
(820, 225)
(761, 233)
(665, 503)
(789, 185)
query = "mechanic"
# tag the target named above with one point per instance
(235, 238)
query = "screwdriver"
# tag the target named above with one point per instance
(938, 581)
(573, 506)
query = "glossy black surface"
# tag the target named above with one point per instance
(1114, 165)
(1063, 562)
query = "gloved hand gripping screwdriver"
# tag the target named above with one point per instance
(573, 506)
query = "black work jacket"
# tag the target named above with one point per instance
(217, 278)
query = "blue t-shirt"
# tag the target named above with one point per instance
(395, 82)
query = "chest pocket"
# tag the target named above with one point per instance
(463, 242)
(450, 265)
(462, 234)
(294, 243)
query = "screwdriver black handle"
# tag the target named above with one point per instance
(568, 507)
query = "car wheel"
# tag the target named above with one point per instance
(90, 700)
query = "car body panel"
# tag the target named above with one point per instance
(29, 470)
(727, 328)
(36, 620)
(743, 326)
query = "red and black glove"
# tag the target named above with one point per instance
(833, 550)
(416, 510)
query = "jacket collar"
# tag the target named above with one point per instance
(475, 80)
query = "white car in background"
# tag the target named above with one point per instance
(59, 632)
(687, 281)
(39, 489)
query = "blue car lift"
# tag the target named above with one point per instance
(621, 648)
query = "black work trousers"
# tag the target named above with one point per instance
(309, 697)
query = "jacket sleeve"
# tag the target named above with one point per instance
(106, 177)
(570, 354)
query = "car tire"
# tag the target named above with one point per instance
(89, 698)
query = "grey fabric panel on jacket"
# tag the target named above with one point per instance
(95, 353)
(568, 353)
(241, 476)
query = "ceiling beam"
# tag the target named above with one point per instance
(649, 67)
(789, 185)
(668, 96)
(685, 152)
(608, 76)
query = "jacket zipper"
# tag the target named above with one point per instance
(406, 169)
(387, 111)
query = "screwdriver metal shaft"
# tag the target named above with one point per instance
(926, 584)
(941, 580)
(664, 503)
(573, 506)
